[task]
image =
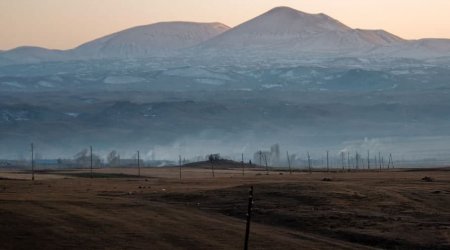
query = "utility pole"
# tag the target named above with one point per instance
(92, 174)
(289, 162)
(212, 166)
(179, 164)
(357, 160)
(368, 159)
(342, 161)
(379, 159)
(243, 164)
(139, 163)
(390, 161)
(32, 161)
(309, 163)
(249, 217)
(328, 163)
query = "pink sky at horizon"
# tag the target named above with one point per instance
(66, 24)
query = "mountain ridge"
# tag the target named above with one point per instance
(303, 32)
(141, 41)
(280, 31)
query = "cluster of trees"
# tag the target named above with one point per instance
(214, 157)
(113, 159)
(84, 158)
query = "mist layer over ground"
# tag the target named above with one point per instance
(167, 108)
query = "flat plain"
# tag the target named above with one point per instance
(117, 209)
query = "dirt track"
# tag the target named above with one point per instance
(117, 210)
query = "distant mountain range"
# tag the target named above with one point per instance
(149, 40)
(280, 31)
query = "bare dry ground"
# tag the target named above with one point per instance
(118, 210)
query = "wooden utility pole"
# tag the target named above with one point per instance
(392, 161)
(368, 159)
(357, 160)
(309, 163)
(379, 159)
(328, 163)
(92, 174)
(243, 164)
(342, 161)
(249, 217)
(32, 161)
(139, 163)
(179, 164)
(212, 167)
(289, 162)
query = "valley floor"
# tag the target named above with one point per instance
(118, 210)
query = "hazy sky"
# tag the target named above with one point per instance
(65, 24)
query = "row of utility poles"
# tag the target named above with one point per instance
(351, 162)
(355, 162)
(91, 165)
(263, 157)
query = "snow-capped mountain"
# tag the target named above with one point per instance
(288, 30)
(28, 54)
(280, 33)
(419, 49)
(149, 40)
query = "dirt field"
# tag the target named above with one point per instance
(118, 210)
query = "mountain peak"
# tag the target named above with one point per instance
(283, 26)
(284, 10)
(287, 20)
(289, 12)
(287, 29)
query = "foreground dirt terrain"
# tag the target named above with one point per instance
(119, 210)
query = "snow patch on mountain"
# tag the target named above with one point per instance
(13, 84)
(123, 79)
(422, 49)
(7, 116)
(46, 84)
(195, 72)
(150, 40)
(214, 82)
